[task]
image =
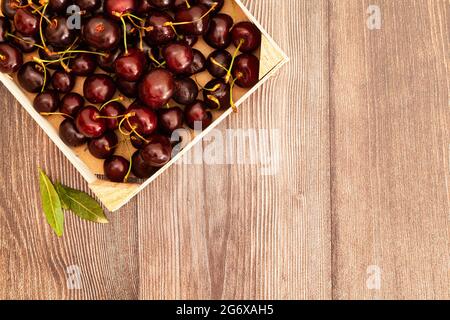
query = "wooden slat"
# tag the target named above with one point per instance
(390, 138)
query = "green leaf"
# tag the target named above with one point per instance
(51, 204)
(65, 202)
(83, 205)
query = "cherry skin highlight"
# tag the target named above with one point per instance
(89, 122)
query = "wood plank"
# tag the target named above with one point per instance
(230, 232)
(390, 141)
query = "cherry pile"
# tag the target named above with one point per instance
(139, 49)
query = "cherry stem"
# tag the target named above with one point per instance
(215, 100)
(228, 76)
(41, 34)
(170, 23)
(124, 34)
(23, 40)
(119, 98)
(214, 61)
(233, 106)
(42, 64)
(187, 4)
(127, 176)
(152, 57)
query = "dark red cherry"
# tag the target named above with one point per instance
(196, 115)
(183, 4)
(104, 146)
(131, 66)
(69, 134)
(26, 22)
(218, 63)
(193, 14)
(47, 101)
(128, 88)
(62, 81)
(106, 61)
(179, 57)
(162, 4)
(115, 8)
(198, 64)
(189, 40)
(140, 168)
(217, 94)
(186, 91)
(99, 88)
(219, 35)
(116, 168)
(24, 43)
(83, 65)
(31, 77)
(158, 152)
(10, 7)
(246, 70)
(58, 6)
(89, 122)
(144, 7)
(170, 119)
(142, 119)
(248, 34)
(5, 28)
(102, 33)
(209, 3)
(156, 88)
(58, 34)
(10, 58)
(138, 142)
(71, 103)
(111, 110)
(89, 5)
(161, 33)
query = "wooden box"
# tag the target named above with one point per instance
(115, 195)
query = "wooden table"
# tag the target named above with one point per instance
(358, 209)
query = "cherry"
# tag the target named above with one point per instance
(62, 81)
(179, 57)
(10, 7)
(140, 168)
(141, 119)
(131, 66)
(99, 88)
(5, 27)
(58, 34)
(46, 102)
(170, 119)
(158, 152)
(101, 33)
(162, 4)
(52, 55)
(90, 123)
(191, 21)
(31, 77)
(218, 63)
(112, 112)
(70, 135)
(128, 88)
(116, 8)
(197, 113)
(83, 65)
(160, 34)
(218, 35)
(186, 91)
(106, 61)
(89, 5)
(138, 142)
(156, 88)
(182, 4)
(71, 103)
(189, 40)
(246, 70)
(209, 3)
(10, 58)
(246, 36)
(198, 64)
(104, 146)
(58, 6)
(144, 7)
(116, 168)
(26, 22)
(24, 43)
(217, 94)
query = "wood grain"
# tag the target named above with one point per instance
(390, 140)
(363, 120)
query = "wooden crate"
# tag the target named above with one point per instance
(115, 195)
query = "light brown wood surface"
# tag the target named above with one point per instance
(364, 179)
